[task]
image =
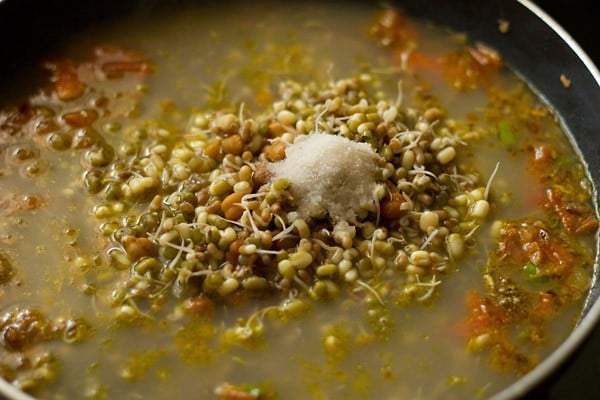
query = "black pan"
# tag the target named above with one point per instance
(536, 47)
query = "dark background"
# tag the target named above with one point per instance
(580, 378)
(580, 20)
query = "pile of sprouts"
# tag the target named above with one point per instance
(334, 191)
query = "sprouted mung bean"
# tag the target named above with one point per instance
(354, 233)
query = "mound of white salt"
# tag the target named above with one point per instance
(329, 174)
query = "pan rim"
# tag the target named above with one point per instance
(591, 317)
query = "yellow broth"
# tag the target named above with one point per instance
(205, 61)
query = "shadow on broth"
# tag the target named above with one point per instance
(370, 204)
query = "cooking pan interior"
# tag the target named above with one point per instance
(540, 54)
(31, 30)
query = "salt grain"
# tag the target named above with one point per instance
(330, 175)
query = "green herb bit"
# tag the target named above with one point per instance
(532, 274)
(505, 133)
(530, 271)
